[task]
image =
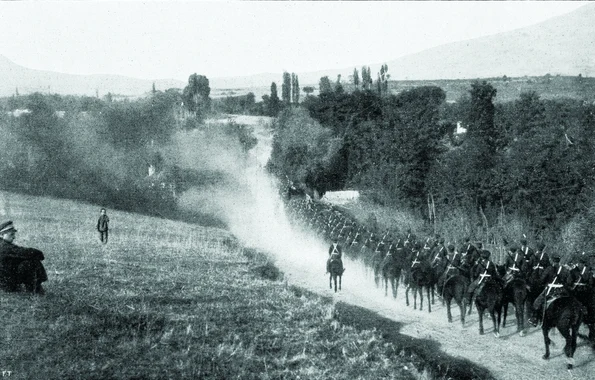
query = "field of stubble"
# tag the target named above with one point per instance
(166, 299)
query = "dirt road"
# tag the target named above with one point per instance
(509, 357)
(260, 221)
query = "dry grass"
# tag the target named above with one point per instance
(166, 299)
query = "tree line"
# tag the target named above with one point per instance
(119, 154)
(531, 159)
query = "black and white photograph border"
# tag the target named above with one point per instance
(300, 190)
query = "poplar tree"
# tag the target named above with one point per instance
(286, 88)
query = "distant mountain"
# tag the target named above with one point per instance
(13, 76)
(562, 45)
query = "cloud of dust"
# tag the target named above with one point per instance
(250, 204)
(248, 200)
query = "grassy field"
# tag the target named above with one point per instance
(166, 299)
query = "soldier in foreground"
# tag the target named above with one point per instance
(19, 265)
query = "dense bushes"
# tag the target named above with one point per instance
(530, 158)
(120, 154)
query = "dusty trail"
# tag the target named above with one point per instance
(259, 219)
(508, 357)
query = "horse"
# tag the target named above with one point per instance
(566, 314)
(377, 264)
(489, 297)
(421, 275)
(535, 285)
(391, 270)
(335, 268)
(515, 292)
(455, 287)
(586, 297)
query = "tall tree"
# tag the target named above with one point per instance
(308, 90)
(355, 78)
(295, 88)
(338, 86)
(274, 104)
(383, 77)
(196, 95)
(481, 118)
(286, 88)
(325, 85)
(366, 78)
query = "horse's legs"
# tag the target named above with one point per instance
(546, 340)
(496, 325)
(573, 337)
(395, 283)
(462, 307)
(376, 276)
(505, 308)
(428, 290)
(335, 281)
(568, 333)
(520, 317)
(340, 277)
(407, 295)
(480, 313)
(385, 280)
(448, 314)
(421, 297)
(330, 281)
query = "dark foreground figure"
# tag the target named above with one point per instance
(334, 264)
(103, 226)
(18, 265)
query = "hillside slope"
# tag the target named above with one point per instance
(13, 77)
(166, 299)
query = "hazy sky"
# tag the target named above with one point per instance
(154, 40)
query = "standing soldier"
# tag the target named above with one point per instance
(102, 226)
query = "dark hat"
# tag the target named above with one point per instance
(556, 259)
(583, 259)
(479, 245)
(485, 254)
(540, 246)
(523, 241)
(513, 248)
(450, 248)
(7, 227)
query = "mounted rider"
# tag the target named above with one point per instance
(484, 270)
(439, 250)
(582, 286)
(514, 264)
(525, 249)
(335, 253)
(453, 259)
(540, 260)
(558, 282)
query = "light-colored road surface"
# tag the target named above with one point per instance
(259, 220)
(509, 357)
